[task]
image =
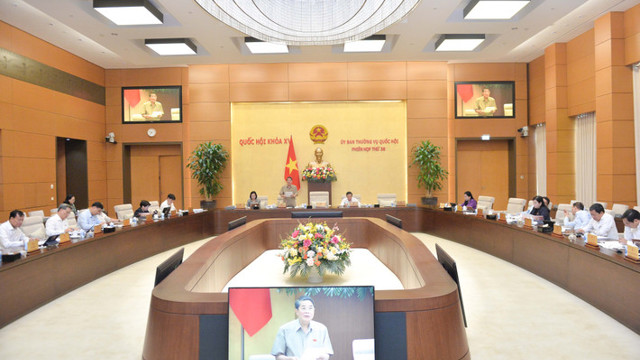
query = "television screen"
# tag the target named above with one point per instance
(151, 104)
(338, 321)
(495, 99)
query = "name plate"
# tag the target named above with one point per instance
(557, 229)
(401, 203)
(173, 213)
(64, 237)
(443, 205)
(527, 222)
(592, 239)
(126, 222)
(32, 245)
(97, 229)
(147, 217)
(632, 252)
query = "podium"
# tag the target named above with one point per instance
(319, 186)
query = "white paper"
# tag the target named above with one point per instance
(313, 353)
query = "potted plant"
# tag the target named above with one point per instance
(206, 163)
(426, 156)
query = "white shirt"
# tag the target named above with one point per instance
(581, 220)
(631, 233)
(165, 204)
(10, 236)
(55, 225)
(346, 203)
(606, 227)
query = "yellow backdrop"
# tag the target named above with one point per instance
(366, 146)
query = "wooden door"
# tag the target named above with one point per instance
(145, 174)
(483, 169)
(171, 178)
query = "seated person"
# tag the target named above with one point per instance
(253, 201)
(57, 224)
(71, 201)
(289, 192)
(350, 201)
(302, 335)
(89, 218)
(581, 216)
(469, 201)
(547, 201)
(10, 233)
(143, 210)
(168, 203)
(602, 224)
(631, 220)
(540, 209)
(152, 109)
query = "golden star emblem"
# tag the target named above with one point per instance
(292, 165)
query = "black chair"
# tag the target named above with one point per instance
(449, 265)
(237, 222)
(394, 221)
(315, 214)
(166, 267)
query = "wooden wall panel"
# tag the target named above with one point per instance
(376, 71)
(318, 72)
(581, 74)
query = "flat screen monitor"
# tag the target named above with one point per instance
(342, 319)
(237, 222)
(145, 104)
(166, 267)
(485, 99)
(450, 267)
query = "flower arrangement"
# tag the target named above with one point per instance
(315, 245)
(319, 174)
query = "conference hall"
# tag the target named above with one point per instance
(319, 179)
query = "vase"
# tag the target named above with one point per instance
(314, 276)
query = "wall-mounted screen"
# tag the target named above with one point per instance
(338, 321)
(146, 104)
(488, 99)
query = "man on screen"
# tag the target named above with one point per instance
(303, 338)
(485, 104)
(152, 109)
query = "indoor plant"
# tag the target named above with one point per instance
(426, 156)
(207, 161)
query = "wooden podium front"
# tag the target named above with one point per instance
(318, 186)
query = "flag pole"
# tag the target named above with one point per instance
(241, 342)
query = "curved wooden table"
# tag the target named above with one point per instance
(188, 314)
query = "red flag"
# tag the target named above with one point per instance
(465, 91)
(291, 166)
(252, 308)
(132, 96)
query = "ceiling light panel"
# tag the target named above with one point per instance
(493, 9)
(168, 47)
(457, 42)
(264, 47)
(371, 44)
(129, 12)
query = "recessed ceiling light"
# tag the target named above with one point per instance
(179, 46)
(257, 46)
(459, 42)
(493, 9)
(372, 43)
(129, 12)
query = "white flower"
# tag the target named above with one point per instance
(293, 252)
(331, 257)
(310, 262)
(311, 253)
(319, 227)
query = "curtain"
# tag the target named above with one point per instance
(540, 140)
(586, 167)
(636, 124)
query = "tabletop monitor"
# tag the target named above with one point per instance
(166, 267)
(237, 222)
(449, 265)
(394, 221)
(485, 99)
(256, 316)
(151, 104)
